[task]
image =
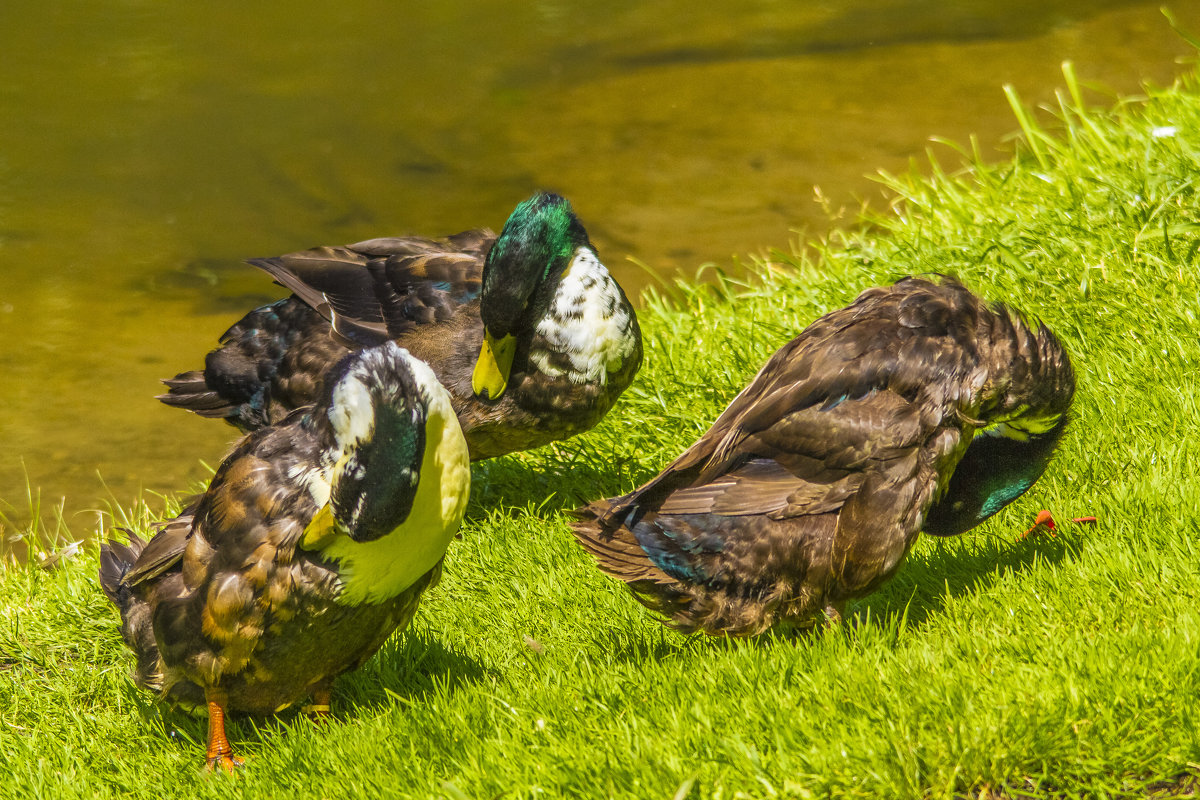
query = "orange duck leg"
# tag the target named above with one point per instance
(220, 752)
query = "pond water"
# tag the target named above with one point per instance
(147, 148)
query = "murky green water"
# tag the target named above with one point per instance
(147, 147)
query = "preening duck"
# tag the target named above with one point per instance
(527, 330)
(313, 542)
(917, 407)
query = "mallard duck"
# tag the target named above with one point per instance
(528, 330)
(313, 542)
(917, 407)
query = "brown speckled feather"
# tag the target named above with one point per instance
(216, 579)
(812, 485)
(385, 288)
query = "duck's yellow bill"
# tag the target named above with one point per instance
(490, 378)
(320, 530)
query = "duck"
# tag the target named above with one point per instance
(916, 407)
(528, 330)
(313, 542)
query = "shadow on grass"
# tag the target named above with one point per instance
(407, 669)
(556, 479)
(921, 589)
(672, 645)
(928, 581)
(1184, 784)
(656, 644)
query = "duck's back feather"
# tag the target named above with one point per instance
(892, 345)
(383, 288)
(274, 359)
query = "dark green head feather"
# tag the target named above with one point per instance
(993, 472)
(374, 492)
(377, 413)
(533, 249)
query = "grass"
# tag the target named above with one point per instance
(987, 668)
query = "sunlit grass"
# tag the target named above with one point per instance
(1066, 666)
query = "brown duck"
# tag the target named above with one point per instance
(313, 542)
(917, 407)
(527, 330)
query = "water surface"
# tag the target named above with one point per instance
(146, 148)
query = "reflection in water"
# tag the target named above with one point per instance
(770, 29)
(149, 147)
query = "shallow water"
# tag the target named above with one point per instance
(146, 148)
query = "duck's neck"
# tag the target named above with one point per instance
(1000, 464)
(589, 329)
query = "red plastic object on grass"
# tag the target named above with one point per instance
(1045, 520)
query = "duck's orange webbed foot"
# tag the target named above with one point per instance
(220, 752)
(226, 762)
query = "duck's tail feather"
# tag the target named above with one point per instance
(612, 544)
(191, 392)
(137, 627)
(672, 565)
(116, 560)
(619, 554)
(241, 378)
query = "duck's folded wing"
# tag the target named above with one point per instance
(474, 243)
(338, 284)
(382, 288)
(788, 463)
(764, 487)
(162, 552)
(424, 288)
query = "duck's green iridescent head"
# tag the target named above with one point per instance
(377, 412)
(534, 248)
(999, 466)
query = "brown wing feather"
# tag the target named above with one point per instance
(764, 486)
(315, 275)
(166, 547)
(384, 288)
(848, 354)
(475, 243)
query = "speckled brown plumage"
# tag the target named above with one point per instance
(813, 484)
(426, 295)
(217, 579)
(230, 601)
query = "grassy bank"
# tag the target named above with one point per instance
(1067, 666)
